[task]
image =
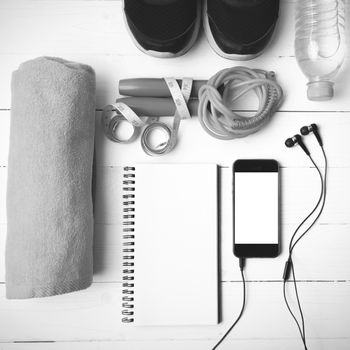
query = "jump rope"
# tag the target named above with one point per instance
(152, 98)
(213, 101)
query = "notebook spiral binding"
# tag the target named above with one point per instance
(128, 243)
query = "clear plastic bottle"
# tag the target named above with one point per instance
(320, 44)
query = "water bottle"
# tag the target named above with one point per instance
(320, 44)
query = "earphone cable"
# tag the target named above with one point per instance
(322, 198)
(293, 315)
(292, 245)
(299, 305)
(325, 172)
(324, 192)
(241, 265)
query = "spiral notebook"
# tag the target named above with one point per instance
(170, 248)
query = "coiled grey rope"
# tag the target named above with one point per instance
(218, 96)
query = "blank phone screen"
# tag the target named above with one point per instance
(256, 208)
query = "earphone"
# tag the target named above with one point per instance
(289, 267)
(305, 130)
(297, 139)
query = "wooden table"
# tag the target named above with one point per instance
(93, 32)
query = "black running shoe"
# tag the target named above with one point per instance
(239, 29)
(163, 28)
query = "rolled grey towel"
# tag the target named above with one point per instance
(49, 201)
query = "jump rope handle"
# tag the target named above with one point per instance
(153, 87)
(156, 106)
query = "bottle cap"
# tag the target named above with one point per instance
(320, 90)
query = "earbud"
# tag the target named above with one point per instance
(305, 130)
(296, 139)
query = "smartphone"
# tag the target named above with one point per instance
(256, 208)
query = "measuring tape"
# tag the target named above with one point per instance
(114, 114)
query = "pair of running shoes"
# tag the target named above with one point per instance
(235, 29)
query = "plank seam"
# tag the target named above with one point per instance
(239, 281)
(249, 110)
(163, 340)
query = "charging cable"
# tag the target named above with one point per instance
(241, 266)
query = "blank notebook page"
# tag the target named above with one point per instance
(176, 248)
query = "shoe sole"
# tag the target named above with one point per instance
(158, 54)
(214, 45)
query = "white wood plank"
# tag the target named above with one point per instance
(110, 68)
(329, 241)
(195, 145)
(94, 33)
(91, 27)
(100, 23)
(3, 183)
(2, 251)
(4, 137)
(300, 192)
(94, 314)
(300, 199)
(322, 255)
(242, 344)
